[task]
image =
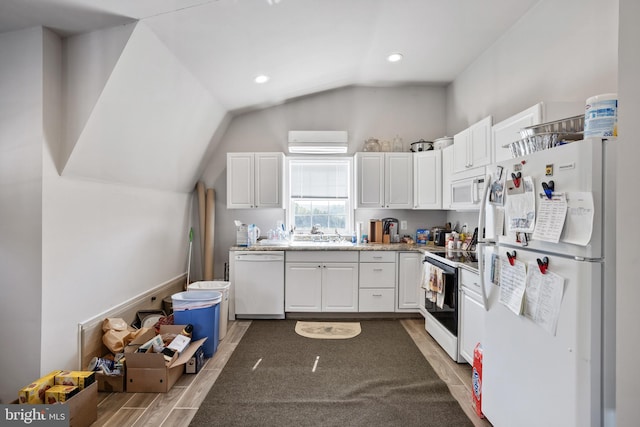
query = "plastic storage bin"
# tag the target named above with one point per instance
(220, 286)
(202, 310)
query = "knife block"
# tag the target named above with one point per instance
(375, 231)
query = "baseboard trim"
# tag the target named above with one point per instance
(90, 331)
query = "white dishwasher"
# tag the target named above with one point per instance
(259, 284)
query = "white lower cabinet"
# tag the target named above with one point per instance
(303, 286)
(377, 281)
(409, 278)
(376, 300)
(472, 313)
(321, 281)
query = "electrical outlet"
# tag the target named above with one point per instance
(465, 227)
(403, 225)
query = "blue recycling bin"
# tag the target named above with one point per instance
(202, 310)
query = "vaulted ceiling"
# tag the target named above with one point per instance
(304, 46)
(150, 82)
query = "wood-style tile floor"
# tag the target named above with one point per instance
(178, 406)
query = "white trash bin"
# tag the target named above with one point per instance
(220, 286)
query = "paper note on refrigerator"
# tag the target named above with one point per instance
(579, 224)
(512, 284)
(543, 298)
(521, 206)
(551, 218)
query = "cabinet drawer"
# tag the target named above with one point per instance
(376, 300)
(377, 256)
(321, 256)
(470, 280)
(378, 275)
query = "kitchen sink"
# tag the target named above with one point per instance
(320, 243)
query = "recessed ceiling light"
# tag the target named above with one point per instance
(261, 79)
(394, 57)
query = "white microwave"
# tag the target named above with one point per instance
(467, 189)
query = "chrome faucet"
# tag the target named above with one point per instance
(316, 229)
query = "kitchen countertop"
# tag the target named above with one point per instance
(402, 247)
(460, 258)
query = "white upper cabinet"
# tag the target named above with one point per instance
(427, 180)
(508, 130)
(447, 172)
(384, 180)
(472, 146)
(255, 180)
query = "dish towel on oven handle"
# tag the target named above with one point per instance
(433, 282)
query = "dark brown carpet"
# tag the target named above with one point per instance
(378, 378)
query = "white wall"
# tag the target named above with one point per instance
(102, 243)
(71, 248)
(84, 80)
(412, 112)
(559, 51)
(20, 207)
(628, 257)
(152, 121)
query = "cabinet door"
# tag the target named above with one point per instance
(461, 151)
(410, 270)
(303, 287)
(480, 143)
(268, 180)
(398, 174)
(370, 180)
(340, 287)
(508, 131)
(447, 171)
(471, 331)
(240, 180)
(427, 180)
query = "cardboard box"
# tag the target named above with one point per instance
(422, 236)
(149, 372)
(83, 407)
(60, 393)
(110, 383)
(82, 379)
(196, 362)
(34, 393)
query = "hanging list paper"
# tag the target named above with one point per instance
(512, 285)
(521, 206)
(551, 216)
(543, 297)
(579, 225)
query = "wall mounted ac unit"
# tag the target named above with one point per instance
(318, 141)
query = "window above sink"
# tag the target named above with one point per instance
(320, 196)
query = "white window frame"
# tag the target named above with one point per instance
(319, 159)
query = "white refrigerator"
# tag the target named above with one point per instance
(558, 368)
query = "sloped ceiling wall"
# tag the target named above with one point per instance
(151, 123)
